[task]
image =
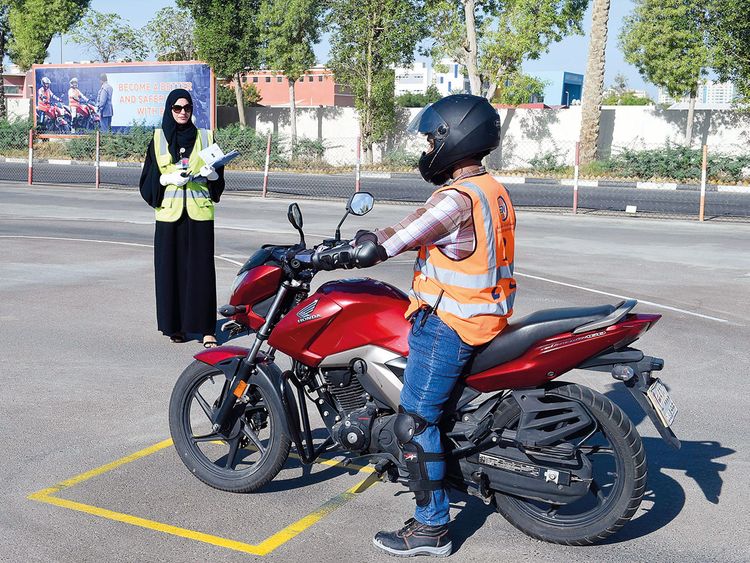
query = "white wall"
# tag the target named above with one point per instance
(18, 108)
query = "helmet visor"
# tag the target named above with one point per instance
(427, 122)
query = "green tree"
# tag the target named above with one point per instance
(492, 38)
(172, 34)
(109, 37)
(627, 98)
(729, 36)
(225, 95)
(289, 28)
(369, 38)
(33, 24)
(593, 82)
(226, 35)
(518, 88)
(666, 40)
(419, 100)
(4, 32)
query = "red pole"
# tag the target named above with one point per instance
(576, 174)
(268, 161)
(356, 171)
(31, 155)
(96, 162)
(704, 178)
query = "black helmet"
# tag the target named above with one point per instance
(460, 126)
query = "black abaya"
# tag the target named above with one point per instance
(184, 249)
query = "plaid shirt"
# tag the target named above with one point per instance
(445, 220)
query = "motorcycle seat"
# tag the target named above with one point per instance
(519, 336)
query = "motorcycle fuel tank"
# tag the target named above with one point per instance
(342, 315)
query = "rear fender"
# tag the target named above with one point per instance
(634, 369)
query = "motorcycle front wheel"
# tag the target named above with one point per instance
(618, 459)
(241, 458)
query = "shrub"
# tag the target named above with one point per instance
(309, 150)
(678, 163)
(14, 135)
(548, 162)
(251, 144)
(401, 158)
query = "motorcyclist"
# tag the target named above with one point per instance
(44, 100)
(75, 96)
(462, 294)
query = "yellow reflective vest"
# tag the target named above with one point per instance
(193, 195)
(475, 293)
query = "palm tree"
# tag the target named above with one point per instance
(593, 83)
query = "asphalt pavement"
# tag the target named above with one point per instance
(89, 476)
(536, 193)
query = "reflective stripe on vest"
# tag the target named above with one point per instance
(476, 293)
(194, 194)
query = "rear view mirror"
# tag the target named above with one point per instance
(295, 216)
(360, 203)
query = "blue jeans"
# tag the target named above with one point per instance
(437, 357)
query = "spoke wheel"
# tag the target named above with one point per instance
(618, 461)
(244, 455)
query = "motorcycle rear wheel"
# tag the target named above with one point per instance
(241, 459)
(611, 504)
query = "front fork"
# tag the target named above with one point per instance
(247, 366)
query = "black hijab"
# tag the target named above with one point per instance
(178, 136)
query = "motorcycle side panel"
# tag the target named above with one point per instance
(260, 283)
(552, 357)
(343, 315)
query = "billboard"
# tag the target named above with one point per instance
(80, 98)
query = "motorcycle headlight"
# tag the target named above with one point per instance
(238, 280)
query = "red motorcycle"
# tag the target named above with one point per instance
(86, 117)
(54, 118)
(561, 462)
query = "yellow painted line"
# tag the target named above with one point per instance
(263, 548)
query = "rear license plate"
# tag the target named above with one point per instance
(663, 404)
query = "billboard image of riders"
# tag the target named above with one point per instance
(52, 114)
(115, 97)
(78, 104)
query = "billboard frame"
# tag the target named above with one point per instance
(36, 67)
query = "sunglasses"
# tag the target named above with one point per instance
(187, 108)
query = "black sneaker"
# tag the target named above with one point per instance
(415, 538)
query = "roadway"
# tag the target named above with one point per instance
(86, 381)
(411, 188)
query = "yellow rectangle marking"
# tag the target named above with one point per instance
(263, 548)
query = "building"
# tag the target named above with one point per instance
(317, 87)
(562, 88)
(710, 94)
(414, 79)
(15, 83)
(420, 76)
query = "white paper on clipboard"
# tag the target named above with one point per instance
(214, 156)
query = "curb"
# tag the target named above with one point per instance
(70, 162)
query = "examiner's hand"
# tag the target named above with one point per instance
(173, 179)
(209, 172)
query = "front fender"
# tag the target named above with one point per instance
(214, 356)
(227, 359)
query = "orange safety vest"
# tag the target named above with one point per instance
(477, 291)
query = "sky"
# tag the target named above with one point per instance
(568, 55)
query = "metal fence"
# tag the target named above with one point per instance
(660, 180)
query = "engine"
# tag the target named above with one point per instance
(353, 432)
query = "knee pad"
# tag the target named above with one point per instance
(406, 426)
